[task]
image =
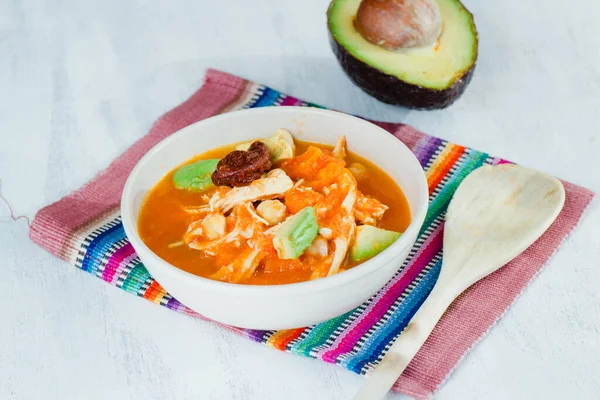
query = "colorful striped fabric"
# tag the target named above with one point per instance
(85, 229)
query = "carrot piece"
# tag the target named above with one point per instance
(304, 165)
(317, 167)
(298, 198)
(327, 175)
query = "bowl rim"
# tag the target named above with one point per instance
(317, 285)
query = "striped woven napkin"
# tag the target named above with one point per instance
(85, 230)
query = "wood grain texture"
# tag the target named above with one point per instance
(80, 81)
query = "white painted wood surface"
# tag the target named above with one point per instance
(80, 81)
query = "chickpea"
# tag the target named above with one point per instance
(272, 211)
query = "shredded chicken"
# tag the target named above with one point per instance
(368, 210)
(247, 223)
(242, 268)
(359, 171)
(194, 229)
(258, 241)
(342, 242)
(198, 210)
(342, 229)
(257, 217)
(274, 184)
(339, 151)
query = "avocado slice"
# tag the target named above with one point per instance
(195, 177)
(422, 77)
(296, 234)
(370, 241)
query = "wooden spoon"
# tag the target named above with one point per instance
(495, 214)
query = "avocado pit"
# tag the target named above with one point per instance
(412, 53)
(399, 24)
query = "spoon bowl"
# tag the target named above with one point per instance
(496, 213)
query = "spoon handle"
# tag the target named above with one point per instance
(379, 383)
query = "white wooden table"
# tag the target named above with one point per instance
(80, 81)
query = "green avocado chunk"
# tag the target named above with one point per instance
(371, 241)
(296, 234)
(195, 177)
(423, 77)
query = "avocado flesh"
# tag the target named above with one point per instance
(371, 241)
(195, 177)
(296, 234)
(425, 77)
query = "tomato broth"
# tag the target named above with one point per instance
(163, 221)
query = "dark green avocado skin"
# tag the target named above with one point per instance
(391, 90)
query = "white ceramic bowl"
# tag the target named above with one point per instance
(278, 306)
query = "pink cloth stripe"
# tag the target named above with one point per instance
(117, 262)
(409, 136)
(291, 101)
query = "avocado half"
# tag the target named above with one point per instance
(422, 78)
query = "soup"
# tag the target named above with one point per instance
(275, 211)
